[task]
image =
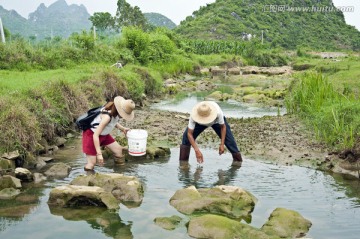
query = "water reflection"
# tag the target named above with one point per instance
(350, 185)
(227, 177)
(108, 222)
(13, 211)
(189, 178)
(132, 165)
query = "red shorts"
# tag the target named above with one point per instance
(88, 142)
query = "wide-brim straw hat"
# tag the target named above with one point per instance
(204, 112)
(125, 108)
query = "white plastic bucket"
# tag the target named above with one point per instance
(137, 139)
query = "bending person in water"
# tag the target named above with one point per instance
(203, 115)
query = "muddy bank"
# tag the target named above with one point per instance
(280, 140)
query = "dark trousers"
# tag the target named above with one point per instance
(229, 139)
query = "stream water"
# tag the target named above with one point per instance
(330, 202)
(231, 108)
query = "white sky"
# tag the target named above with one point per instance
(175, 10)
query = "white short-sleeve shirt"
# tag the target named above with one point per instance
(108, 128)
(218, 120)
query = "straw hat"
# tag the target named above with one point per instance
(125, 108)
(204, 112)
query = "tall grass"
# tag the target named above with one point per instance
(173, 67)
(334, 117)
(253, 51)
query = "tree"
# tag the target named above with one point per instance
(126, 15)
(139, 18)
(7, 33)
(123, 13)
(102, 20)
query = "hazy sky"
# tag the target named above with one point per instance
(175, 10)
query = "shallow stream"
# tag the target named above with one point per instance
(230, 108)
(330, 202)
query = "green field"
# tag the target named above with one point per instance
(17, 81)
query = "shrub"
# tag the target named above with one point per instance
(161, 48)
(134, 84)
(138, 42)
(83, 40)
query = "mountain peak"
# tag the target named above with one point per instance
(59, 19)
(59, 3)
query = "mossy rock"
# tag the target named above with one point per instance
(155, 152)
(9, 193)
(168, 223)
(8, 181)
(218, 95)
(219, 227)
(127, 189)
(229, 201)
(254, 98)
(5, 164)
(248, 90)
(286, 223)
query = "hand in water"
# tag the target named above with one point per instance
(221, 149)
(100, 160)
(199, 156)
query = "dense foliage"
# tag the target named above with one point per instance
(51, 54)
(133, 46)
(253, 51)
(288, 27)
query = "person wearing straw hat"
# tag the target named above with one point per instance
(99, 134)
(203, 115)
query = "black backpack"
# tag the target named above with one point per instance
(84, 121)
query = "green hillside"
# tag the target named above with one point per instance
(159, 20)
(286, 23)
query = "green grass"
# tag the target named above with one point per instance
(216, 59)
(343, 73)
(177, 65)
(333, 116)
(17, 81)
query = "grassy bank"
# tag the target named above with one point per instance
(327, 98)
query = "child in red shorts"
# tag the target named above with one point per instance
(99, 134)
